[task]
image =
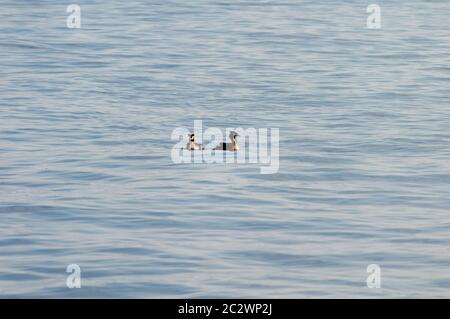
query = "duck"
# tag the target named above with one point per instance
(192, 145)
(233, 147)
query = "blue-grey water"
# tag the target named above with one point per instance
(86, 175)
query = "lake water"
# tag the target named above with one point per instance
(86, 175)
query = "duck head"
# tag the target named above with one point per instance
(233, 136)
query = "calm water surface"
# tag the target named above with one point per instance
(86, 175)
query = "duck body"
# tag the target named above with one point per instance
(233, 147)
(192, 146)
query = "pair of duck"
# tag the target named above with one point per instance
(233, 147)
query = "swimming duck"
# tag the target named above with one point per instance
(229, 146)
(191, 145)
